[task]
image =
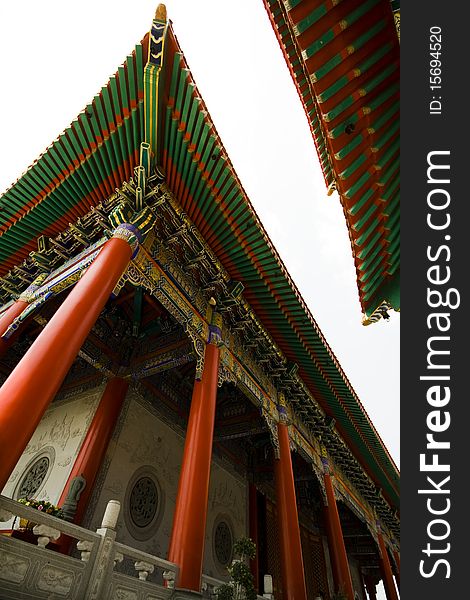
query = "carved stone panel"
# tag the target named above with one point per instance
(13, 567)
(55, 579)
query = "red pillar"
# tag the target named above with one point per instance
(15, 310)
(189, 522)
(11, 313)
(396, 556)
(340, 558)
(370, 587)
(7, 319)
(333, 552)
(389, 585)
(293, 578)
(95, 444)
(28, 391)
(253, 531)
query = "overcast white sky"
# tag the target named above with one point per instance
(55, 56)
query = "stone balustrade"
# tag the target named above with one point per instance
(210, 584)
(37, 571)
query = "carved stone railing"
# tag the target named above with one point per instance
(145, 565)
(39, 572)
(36, 571)
(210, 584)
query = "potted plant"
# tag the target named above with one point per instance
(41, 505)
(30, 531)
(241, 584)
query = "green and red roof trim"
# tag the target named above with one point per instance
(343, 56)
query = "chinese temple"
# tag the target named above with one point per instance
(159, 365)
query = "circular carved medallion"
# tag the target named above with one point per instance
(143, 502)
(223, 543)
(35, 474)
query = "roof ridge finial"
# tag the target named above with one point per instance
(160, 13)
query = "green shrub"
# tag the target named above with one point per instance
(241, 585)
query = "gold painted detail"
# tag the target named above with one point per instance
(72, 278)
(97, 364)
(350, 500)
(132, 226)
(217, 320)
(160, 13)
(246, 382)
(28, 294)
(378, 313)
(164, 361)
(225, 375)
(54, 284)
(271, 422)
(66, 246)
(63, 278)
(169, 264)
(165, 289)
(146, 272)
(152, 80)
(396, 17)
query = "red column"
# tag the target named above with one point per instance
(95, 444)
(293, 578)
(253, 531)
(11, 313)
(28, 391)
(389, 585)
(341, 558)
(370, 587)
(396, 556)
(189, 522)
(7, 319)
(333, 552)
(15, 310)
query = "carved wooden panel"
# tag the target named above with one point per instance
(316, 578)
(273, 549)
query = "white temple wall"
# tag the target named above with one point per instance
(147, 448)
(58, 437)
(228, 502)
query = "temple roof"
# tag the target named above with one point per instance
(343, 56)
(155, 99)
(83, 165)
